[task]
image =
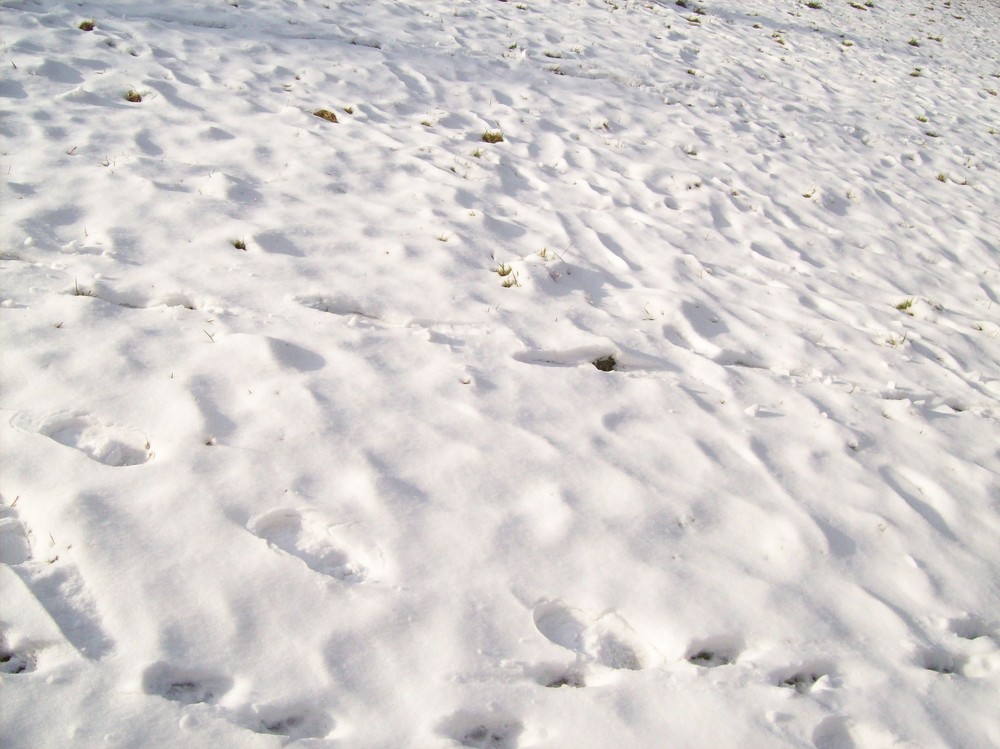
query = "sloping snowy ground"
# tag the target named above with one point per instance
(351, 486)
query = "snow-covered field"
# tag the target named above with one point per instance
(303, 437)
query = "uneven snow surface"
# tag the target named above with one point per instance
(304, 442)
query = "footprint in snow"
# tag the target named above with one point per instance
(972, 650)
(111, 445)
(201, 686)
(557, 675)
(313, 542)
(20, 660)
(803, 678)
(482, 730)
(832, 733)
(607, 640)
(569, 679)
(296, 721)
(57, 585)
(189, 686)
(714, 652)
(941, 661)
(972, 627)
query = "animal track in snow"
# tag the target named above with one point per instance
(15, 660)
(201, 686)
(291, 720)
(971, 650)
(188, 686)
(803, 678)
(714, 651)
(569, 679)
(111, 445)
(556, 676)
(483, 730)
(941, 661)
(971, 627)
(311, 541)
(607, 640)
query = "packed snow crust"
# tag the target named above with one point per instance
(671, 419)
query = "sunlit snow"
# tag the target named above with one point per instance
(511, 375)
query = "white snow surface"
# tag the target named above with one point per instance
(350, 486)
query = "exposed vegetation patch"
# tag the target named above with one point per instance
(326, 114)
(606, 363)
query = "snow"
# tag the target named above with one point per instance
(360, 483)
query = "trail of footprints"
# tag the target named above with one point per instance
(601, 645)
(59, 589)
(608, 642)
(305, 537)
